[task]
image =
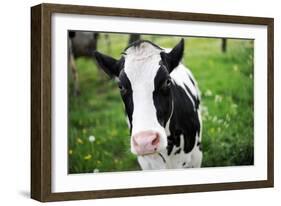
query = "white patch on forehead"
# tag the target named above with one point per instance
(142, 63)
(142, 51)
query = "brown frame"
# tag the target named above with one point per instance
(41, 101)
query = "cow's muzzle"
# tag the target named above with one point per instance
(146, 142)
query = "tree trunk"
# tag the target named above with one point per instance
(224, 45)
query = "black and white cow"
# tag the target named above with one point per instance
(162, 104)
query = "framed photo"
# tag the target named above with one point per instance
(130, 102)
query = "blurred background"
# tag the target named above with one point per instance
(99, 139)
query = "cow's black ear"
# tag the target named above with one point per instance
(111, 66)
(173, 58)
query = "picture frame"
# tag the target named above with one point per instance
(41, 101)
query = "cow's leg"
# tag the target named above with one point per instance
(74, 76)
(196, 156)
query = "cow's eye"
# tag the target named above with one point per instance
(166, 84)
(123, 89)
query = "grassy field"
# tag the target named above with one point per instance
(98, 132)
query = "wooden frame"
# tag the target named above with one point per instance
(41, 101)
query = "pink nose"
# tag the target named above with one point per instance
(146, 142)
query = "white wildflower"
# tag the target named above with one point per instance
(215, 119)
(235, 68)
(92, 138)
(204, 110)
(251, 76)
(218, 98)
(208, 93)
(220, 121)
(96, 170)
(227, 117)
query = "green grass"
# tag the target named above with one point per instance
(226, 84)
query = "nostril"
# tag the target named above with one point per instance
(156, 140)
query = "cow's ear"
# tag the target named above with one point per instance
(111, 66)
(173, 58)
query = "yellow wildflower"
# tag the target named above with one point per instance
(87, 157)
(79, 141)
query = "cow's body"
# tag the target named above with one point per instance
(162, 103)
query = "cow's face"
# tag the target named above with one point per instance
(143, 74)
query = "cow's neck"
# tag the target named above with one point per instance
(182, 122)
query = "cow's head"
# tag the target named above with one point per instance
(143, 74)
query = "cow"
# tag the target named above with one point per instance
(162, 104)
(81, 44)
